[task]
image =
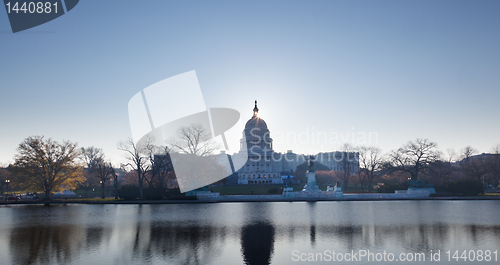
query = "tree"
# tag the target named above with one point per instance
(44, 164)
(327, 177)
(103, 171)
(195, 165)
(194, 140)
(137, 161)
(441, 171)
(161, 167)
(473, 166)
(463, 187)
(91, 156)
(451, 155)
(129, 177)
(496, 149)
(115, 181)
(414, 157)
(468, 152)
(370, 162)
(476, 167)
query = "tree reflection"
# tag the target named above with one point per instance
(97, 236)
(257, 243)
(55, 234)
(179, 243)
(44, 244)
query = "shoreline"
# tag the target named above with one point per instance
(234, 200)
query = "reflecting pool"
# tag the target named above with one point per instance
(250, 233)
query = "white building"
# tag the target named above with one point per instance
(264, 166)
(340, 161)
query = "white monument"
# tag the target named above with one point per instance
(311, 185)
(337, 190)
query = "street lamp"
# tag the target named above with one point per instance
(102, 188)
(7, 181)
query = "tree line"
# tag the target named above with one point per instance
(43, 164)
(421, 160)
(46, 165)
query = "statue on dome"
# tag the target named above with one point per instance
(255, 109)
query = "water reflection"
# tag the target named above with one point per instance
(312, 235)
(312, 218)
(48, 235)
(250, 234)
(44, 245)
(190, 244)
(257, 243)
(160, 240)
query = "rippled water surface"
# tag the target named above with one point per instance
(244, 233)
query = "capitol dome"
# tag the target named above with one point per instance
(256, 135)
(256, 121)
(261, 166)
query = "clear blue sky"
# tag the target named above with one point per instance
(402, 69)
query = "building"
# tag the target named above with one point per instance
(264, 166)
(340, 161)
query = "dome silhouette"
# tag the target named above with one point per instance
(256, 121)
(256, 135)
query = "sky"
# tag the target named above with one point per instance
(394, 70)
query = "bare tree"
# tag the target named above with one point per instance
(103, 170)
(193, 145)
(47, 165)
(473, 166)
(137, 161)
(115, 180)
(452, 155)
(413, 157)
(194, 140)
(370, 162)
(362, 178)
(468, 152)
(161, 166)
(496, 149)
(91, 156)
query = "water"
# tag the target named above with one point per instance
(245, 233)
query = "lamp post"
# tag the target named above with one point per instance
(7, 181)
(102, 188)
